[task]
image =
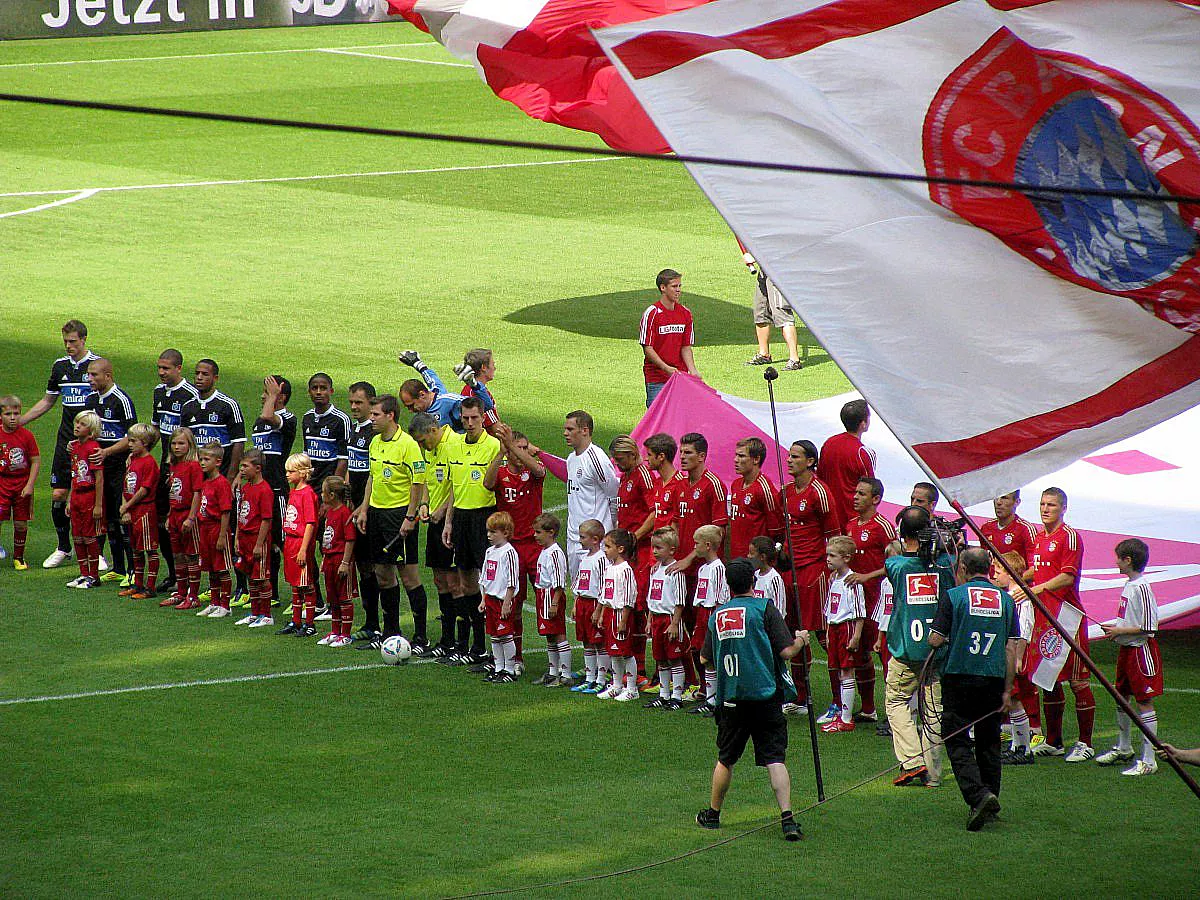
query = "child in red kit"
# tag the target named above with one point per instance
(337, 562)
(19, 464)
(254, 537)
(183, 500)
(299, 556)
(216, 505)
(139, 510)
(87, 499)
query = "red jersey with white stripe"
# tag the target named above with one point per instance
(753, 511)
(711, 587)
(635, 497)
(1138, 609)
(491, 417)
(701, 502)
(1018, 535)
(501, 571)
(620, 586)
(666, 332)
(1058, 552)
(769, 586)
(520, 495)
(339, 530)
(870, 541)
(844, 460)
(813, 520)
(665, 591)
(666, 500)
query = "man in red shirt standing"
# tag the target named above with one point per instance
(753, 500)
(635, 506)
(660, 459)
(811, 518)
(1054, 570)
(701, 499)
(844, 459)
(666, 335)
(871, 534)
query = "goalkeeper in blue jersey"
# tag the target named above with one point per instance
(429, 394)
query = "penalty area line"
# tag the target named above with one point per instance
(62, 201)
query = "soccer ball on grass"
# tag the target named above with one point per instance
(396, 651)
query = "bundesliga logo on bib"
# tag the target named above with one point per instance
(921, 587)
(984, 602)
(731, 623)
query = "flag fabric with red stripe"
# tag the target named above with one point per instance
(540, 55)
(1000, 335)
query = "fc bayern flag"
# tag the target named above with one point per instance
(540, 55)
(1048, 652)
(1000, 335)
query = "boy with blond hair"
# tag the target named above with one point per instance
(666, 597)
(845, 612)
(711, 591)
(498, 582)
(588, 584)
(139, 510)
(19, 465)
(87, 498)
(550, 587)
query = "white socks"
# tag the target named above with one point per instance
(505, 652)
(589, 665)
(1124, 726)
(847, 699)
(1020, 730)
(678, 677)
(604, 667)
(564, 659)
(1150, 720)
(710, 686)
(664, 680)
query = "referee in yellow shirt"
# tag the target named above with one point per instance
(388, 515)
(469, 454)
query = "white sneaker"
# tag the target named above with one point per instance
(1141, 767)
(218, 612)
(102, 564)
(609, 693)
(246, 620)
(75, 583)
(1114, 756)
(341, 642)
(208, 610)
(795, 709)
(327, 640)
(830, 714)
(626, 695)
(56, 559)
(518, 668)
(262, 622)
(324, 617)
(1081, 752)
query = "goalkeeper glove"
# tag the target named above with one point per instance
(411, 358)
(466, 374)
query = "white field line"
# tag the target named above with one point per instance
(424, 62)
(136, 59)
(286, 178)
(63, 201)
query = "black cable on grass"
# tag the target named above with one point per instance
(771, 822)
(273, 122)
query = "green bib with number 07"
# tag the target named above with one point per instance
(916, 590)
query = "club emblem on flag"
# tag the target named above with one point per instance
(1013, 113)
(1051, 645)
(731, 623)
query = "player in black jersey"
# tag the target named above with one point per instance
(215, 418)
(170, 394)
(358, 473)
(117, 415)
(68, 380)
(274, 433)
(325, 429)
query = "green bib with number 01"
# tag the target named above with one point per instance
(984, 620)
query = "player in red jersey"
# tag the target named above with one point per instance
(871, 534)
(701, 501)
(183, 509)
(216, 506)
(337, 562)
(660, 459)
(1054, 571)
(1008, 532)
(753, 500)
(810, 518)
(517, 478)
(87, 498)
(844, 459)
(254, 511)
(139, 510)
(666, 335)
(299, 549)
(20, 462)
(635, 507)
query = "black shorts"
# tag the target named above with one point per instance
(437, 554)
(162, 494)
(761, 720)
(383, 536)
(277, 514)
(470, 536)
(60, 468)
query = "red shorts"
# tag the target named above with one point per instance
(1074, 669)
(143, 531)
(663, 647)
(183, 543)
(12, 504)
(644, 563)
(1025, 691)
(298, 575)
(836, 636)
(812, 584)
(212, 559)
(255, 569)
(338, 589)
(585, 632)
(83, 511)
(869, 633)
(700, 629)
(1139, 671)
(495, 624)
(546, 623)
(528, 552)
(616, 643)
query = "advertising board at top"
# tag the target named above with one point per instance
(86, 18)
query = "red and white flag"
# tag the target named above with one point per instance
(1000, 335)
(1048, 652)
(540, 55)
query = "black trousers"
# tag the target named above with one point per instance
(976, 762)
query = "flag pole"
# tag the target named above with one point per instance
(1122, 704)
(769, 376)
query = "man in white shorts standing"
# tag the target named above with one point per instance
(591, 484)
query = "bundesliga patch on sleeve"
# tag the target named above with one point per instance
(731, 623)
(984, 601)
(922, 587)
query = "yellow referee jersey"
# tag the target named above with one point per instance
(468, 463)
(395, 466)
(437, 470)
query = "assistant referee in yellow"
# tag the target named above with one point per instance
(388, 516)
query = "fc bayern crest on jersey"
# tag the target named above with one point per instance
(1013, 113)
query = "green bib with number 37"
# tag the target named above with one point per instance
(984, 619)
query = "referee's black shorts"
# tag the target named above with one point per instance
(760, 720)
(437, 554)
(470, 536)
(383, 536)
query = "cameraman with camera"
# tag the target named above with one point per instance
(951, 536)
(919, 583)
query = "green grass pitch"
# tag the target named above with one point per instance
(416, 781)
